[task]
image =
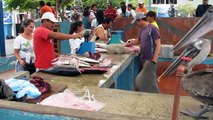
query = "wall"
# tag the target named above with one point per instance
(171, 29)
(7, 63)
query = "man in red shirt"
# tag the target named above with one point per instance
(110, 12)
(43, 35)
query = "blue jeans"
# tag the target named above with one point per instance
(18, 67)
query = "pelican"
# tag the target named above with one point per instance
(199, 84)
(194, 54)
(203, 26)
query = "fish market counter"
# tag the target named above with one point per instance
(119, 104)
(119, 76)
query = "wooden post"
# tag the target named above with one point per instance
(56, 43)
(179, 75)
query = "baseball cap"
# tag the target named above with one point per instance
(50, 16)
(139, 15)
(141, 2)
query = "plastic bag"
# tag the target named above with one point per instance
(67, 99)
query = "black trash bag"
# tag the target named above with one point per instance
(64, 71)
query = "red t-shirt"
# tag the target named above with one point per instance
(43, 48)
(110, 13)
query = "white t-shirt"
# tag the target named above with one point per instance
(92, 15)
(132, 13)
(75, 44)
(119, 11)
(94, 23)
(25, 46)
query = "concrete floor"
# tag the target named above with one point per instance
(128, 103)
(135, 104)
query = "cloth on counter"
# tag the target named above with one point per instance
(68, 99)
(23, 87)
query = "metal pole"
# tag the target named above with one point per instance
(150, 3)
(2, 42)
(179, 75)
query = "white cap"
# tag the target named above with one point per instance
(139, 15)
(50, 16)
(141, 2)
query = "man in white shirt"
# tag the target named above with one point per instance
(131, 10)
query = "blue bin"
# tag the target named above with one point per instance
(115, 39)
(118, 32)
(7, 30)
(86, 47)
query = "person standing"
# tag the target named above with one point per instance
(171, 11)
(151, 18)
(93, 10)
(202, 8)
(86, 19)
(44, 8)
(131, 10)
(43, 45)
(75, 44)
(110, 12)
(119, 11)
(102, 31)
(98, 20)
(141, 8)
(149, 40)
(53, 10)
(124, 13)
(23, 48)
